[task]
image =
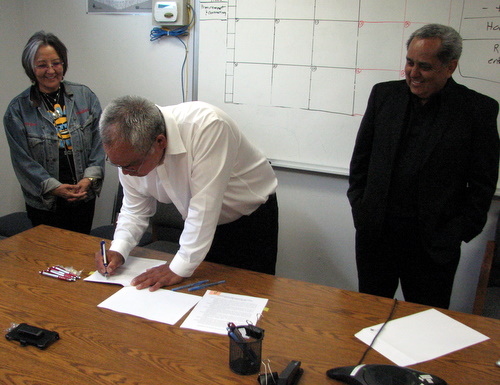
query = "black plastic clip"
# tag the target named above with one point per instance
(254, 331)
(291, 374)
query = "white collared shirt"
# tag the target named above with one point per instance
(211, 173)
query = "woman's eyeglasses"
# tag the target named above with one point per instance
(45, 66)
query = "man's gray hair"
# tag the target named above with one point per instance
(133, 120)
(451, 41)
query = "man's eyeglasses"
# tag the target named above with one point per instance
(45, 66)
(131, 168)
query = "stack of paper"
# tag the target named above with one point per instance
(165, 306)
(212, 314)
(420, 337)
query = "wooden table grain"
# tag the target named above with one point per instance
(311, 323)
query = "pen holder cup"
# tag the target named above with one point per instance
(245, 357)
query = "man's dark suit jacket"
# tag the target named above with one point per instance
(458, 169)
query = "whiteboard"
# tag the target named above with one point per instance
(296, 74)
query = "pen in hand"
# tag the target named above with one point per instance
(104, 259)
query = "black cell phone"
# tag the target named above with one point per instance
(32, 335)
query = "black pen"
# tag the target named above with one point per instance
(104, 258)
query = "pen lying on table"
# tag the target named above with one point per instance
(60, 272)
(206, 285)
(190, 285)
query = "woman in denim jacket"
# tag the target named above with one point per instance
(53, 135)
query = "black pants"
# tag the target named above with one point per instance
(251, 242)
(70, 216)
(399, 256)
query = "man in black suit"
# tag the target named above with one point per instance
(423, 173)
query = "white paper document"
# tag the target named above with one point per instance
(165, 306)
(216, 309)
(126, 272)
(420, 337)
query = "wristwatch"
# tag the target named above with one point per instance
(93, 181)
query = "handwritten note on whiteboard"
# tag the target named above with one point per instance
(210, 10)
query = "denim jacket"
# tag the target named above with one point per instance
(33, 142)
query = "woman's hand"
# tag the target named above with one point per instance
(71, 192)
(85, 184)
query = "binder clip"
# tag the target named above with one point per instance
(254, 331)
(268, 377)
(289, 376)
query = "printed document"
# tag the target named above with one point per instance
(216, 309)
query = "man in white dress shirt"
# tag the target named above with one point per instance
(194, 156)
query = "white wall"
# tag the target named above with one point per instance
(11, 80)
(316, 241)
(113, 56)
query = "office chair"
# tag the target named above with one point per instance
(166, 226)
(487, 301)
(14, 223)
(107, 231)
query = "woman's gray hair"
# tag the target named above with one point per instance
(133, 120)
(41, 38)
(451, 41)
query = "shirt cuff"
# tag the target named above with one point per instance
(183, 268)
(121, 246)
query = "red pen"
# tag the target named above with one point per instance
(46, 273)
(62, 272)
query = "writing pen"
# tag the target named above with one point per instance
(237, 337)
(190, 285)
(231, 328)
(205, 285)
(104, 258)
(48, 274)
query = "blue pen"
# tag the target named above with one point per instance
(236, 336)
(104, 258)
(206, 285)
(190, 285)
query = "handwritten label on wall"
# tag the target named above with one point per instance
(213, 11)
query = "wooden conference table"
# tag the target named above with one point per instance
(310, 323)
